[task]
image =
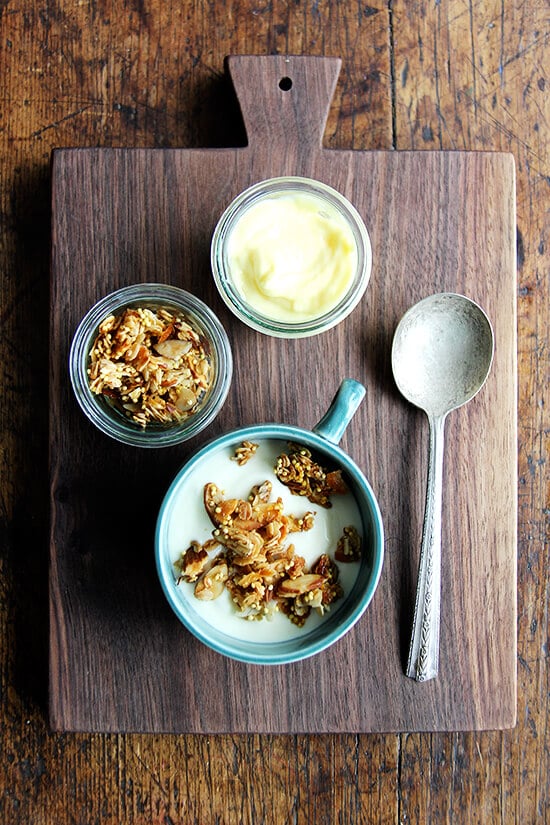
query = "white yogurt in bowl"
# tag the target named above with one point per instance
(188, 521)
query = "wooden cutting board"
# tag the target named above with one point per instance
(439, 221)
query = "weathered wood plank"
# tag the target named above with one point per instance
(475, 77)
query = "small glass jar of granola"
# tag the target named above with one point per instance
(150, 365)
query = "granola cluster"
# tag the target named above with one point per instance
(257, 562)
(150, 364)
(244, 453)
(304, 477)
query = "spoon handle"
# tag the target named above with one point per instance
(423, 661)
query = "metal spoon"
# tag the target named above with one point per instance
(441, 355)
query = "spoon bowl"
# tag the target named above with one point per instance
(442, 352)
(441, 356)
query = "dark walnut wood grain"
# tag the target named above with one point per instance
(439, 221)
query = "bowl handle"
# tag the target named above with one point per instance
(344, 404)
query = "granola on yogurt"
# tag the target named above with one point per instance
(257, 562)
(303, 476)
(255, 558)
(244, 452)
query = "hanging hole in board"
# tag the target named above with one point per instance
(285, 84)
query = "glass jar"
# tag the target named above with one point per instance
(291, 257)
(112, 420)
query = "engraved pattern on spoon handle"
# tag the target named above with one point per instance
(423, 661)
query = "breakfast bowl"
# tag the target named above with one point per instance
(150, 365)
(291, 257)
(269, 542)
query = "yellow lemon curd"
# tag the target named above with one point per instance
(292, 257)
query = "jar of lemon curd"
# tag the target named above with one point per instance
(291, 257)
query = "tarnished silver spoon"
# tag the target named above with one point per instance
(441, 356)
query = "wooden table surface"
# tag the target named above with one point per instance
(149, 73)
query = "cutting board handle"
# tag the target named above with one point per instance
(284, 100)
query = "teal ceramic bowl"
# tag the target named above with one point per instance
(258, 647)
